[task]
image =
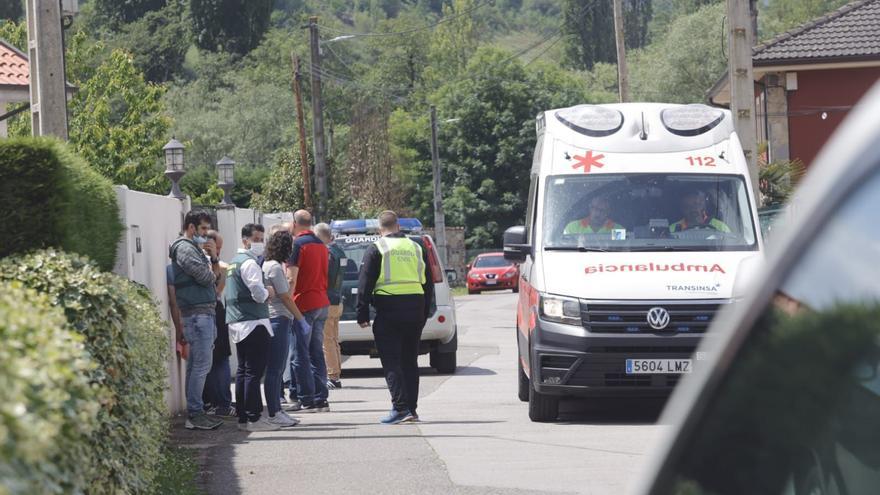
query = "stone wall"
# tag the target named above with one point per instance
(455, 250)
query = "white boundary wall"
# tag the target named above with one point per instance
(152, 223)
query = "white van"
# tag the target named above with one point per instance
(639, 217)
(440, 335)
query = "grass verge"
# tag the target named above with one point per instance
(178, 472)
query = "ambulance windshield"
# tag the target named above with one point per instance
(648, 212)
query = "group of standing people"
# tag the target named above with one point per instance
(273, 301)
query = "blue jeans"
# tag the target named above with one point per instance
(278, 349)
(199, 330)
(309, 368)
(217, 383)
(289, 375)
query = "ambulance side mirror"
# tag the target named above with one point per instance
(516, 247)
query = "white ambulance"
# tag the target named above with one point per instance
(639, 217)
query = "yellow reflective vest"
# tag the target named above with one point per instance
(403, 268)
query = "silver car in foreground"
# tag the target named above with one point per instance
(791, 403)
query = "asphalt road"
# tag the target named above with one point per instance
(475, 436)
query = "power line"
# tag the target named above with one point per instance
(340, 59)
(545, 50)
(413, 30)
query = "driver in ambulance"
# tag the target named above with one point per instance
(696, 215)
(597, 222)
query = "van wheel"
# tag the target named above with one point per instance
(523, 388)
(444, 362)
(516, 289)
(542, 407)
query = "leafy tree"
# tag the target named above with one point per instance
(589, 29)
(120, 12)
(244, 120)
(682, 65)
(665, 12)
(373, 184)
(158, 41)
(487, 151)
(14, 33)
(12, 10)
(454, 42)
(119, 124)
(235, 26)
(283, 189)
(637, 16)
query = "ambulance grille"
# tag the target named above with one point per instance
(627, 317)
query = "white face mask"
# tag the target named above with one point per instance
(257, 248)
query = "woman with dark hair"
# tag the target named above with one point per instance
(282, 311)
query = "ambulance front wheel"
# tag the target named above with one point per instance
(542, 407)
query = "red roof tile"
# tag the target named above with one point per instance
(14, 69)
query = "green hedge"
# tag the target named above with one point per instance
(48, 409)
(126, 338)
(52, 198)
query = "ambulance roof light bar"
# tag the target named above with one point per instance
(691, 120)
(592, 120)
(371, 226)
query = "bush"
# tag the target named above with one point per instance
(54, 199)
(127, 339)
(48, 409)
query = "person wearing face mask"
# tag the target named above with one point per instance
(217, 395)
(194, 271)
(247, 314)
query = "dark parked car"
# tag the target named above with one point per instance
(791, 402)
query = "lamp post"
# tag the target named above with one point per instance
(174, 166)
(226, 180)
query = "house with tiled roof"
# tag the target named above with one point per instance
(14, 80)
(807, 79)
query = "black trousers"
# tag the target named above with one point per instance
(397, 334)
(253, 355)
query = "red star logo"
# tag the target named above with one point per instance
(588, 161)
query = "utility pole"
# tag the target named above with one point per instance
(301, 127)
(318, 118)
(439, 217)
(620, 37)
(742, 86)
(46, 59)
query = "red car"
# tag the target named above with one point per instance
(490, 271)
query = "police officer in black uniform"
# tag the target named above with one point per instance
(395, 279)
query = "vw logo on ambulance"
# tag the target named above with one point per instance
(658, 318)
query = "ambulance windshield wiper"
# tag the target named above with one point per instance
(661, 247)
(580, 249)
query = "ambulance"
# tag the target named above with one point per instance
(640, 217)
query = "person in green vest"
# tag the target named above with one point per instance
(247, 314)
(395, 279)
(193, 273)
(597, 222)
(694, 206)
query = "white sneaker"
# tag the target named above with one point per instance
(295, 420)
(262, 425)
(282, 420)
(292, 406)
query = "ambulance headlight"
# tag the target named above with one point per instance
(591, 120)
(691, 120)
(560, 309)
